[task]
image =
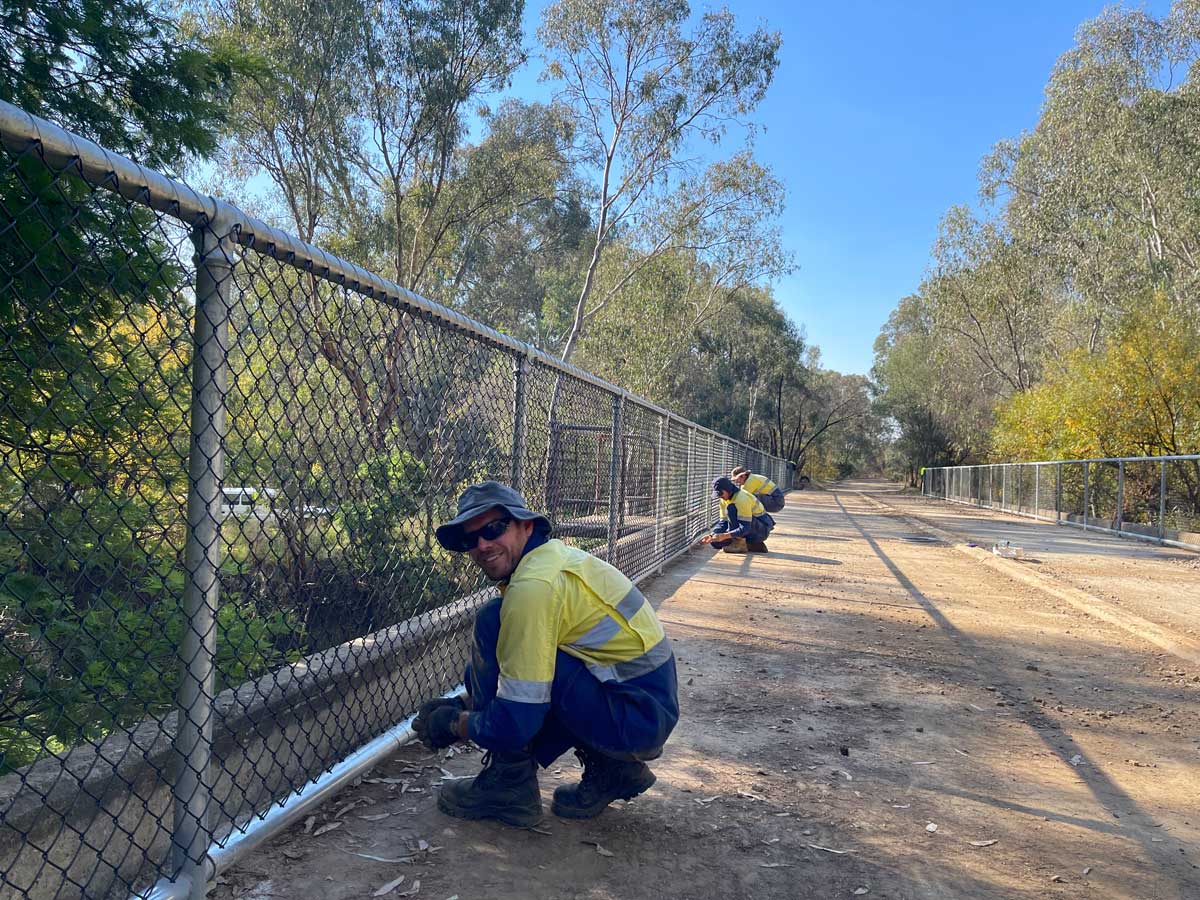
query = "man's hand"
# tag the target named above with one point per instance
(421, 724)
(439, 730)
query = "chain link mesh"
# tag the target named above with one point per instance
(220, 468)
(1151, 497)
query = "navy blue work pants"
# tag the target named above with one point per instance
(627, 720)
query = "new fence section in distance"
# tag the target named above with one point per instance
(1153, 498)
(222, 455)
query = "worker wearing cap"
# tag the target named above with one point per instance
(769, 494)
(570, 655)
(744, 524)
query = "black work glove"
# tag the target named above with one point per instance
(439, 732)
(444, 711)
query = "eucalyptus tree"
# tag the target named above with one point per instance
(1104, 184)
(292, 116)
(657, 305)
(942, 416)
(423, 64)
(642, 87)
(989, 303)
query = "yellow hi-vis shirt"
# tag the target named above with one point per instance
(561, 598)
(747, 505)
(758, 484)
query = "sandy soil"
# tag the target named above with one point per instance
(867, 711)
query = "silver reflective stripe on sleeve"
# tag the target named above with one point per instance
(599, 634)
(631, 603)
(520, 691)
(642, 665)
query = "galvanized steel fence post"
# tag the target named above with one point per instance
(1162, 501)
(660, 492)
(192, 790)
(1087, 495)
(1120, 494)
(614, 469)
(520, 412)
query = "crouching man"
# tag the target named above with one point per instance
(768, 493)
(570, 655)
(743, 526)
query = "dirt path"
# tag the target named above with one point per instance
(841, 696)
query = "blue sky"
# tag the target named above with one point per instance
(878, 117)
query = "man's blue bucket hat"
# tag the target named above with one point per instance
(479, 498)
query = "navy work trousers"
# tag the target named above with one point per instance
(627, 720)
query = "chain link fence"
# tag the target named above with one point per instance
(222, 455)
(1154, 498)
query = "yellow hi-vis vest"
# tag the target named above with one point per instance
(758, 484)
(561, 598)
(747, 505)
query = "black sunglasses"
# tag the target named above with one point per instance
(489, 532)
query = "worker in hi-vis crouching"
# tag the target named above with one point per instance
(769, 494)
(743, 525)
(570, 655)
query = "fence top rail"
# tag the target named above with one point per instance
(1182, 457)
(20, 131)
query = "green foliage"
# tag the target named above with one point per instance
(641, 82)
(117, 72)
(1139, 397)
(74, 667)
(387, 490)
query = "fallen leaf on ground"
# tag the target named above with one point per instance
(309, 823)
(982, 843)
(326, 828)
(375, 818)
(901, 805)
(382, 859)
(775, 866)
(931, 827)
(925, 762)
(412, 890)
(829, 849)
(1087, 869)
(599, 849)
(1076, 760)
(751, 796)
(859, 891)
(422, 845)
(704, 801)
(538, 830)
(387, 888)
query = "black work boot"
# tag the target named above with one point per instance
(757, 547)
(604, 780)
(506, 789)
